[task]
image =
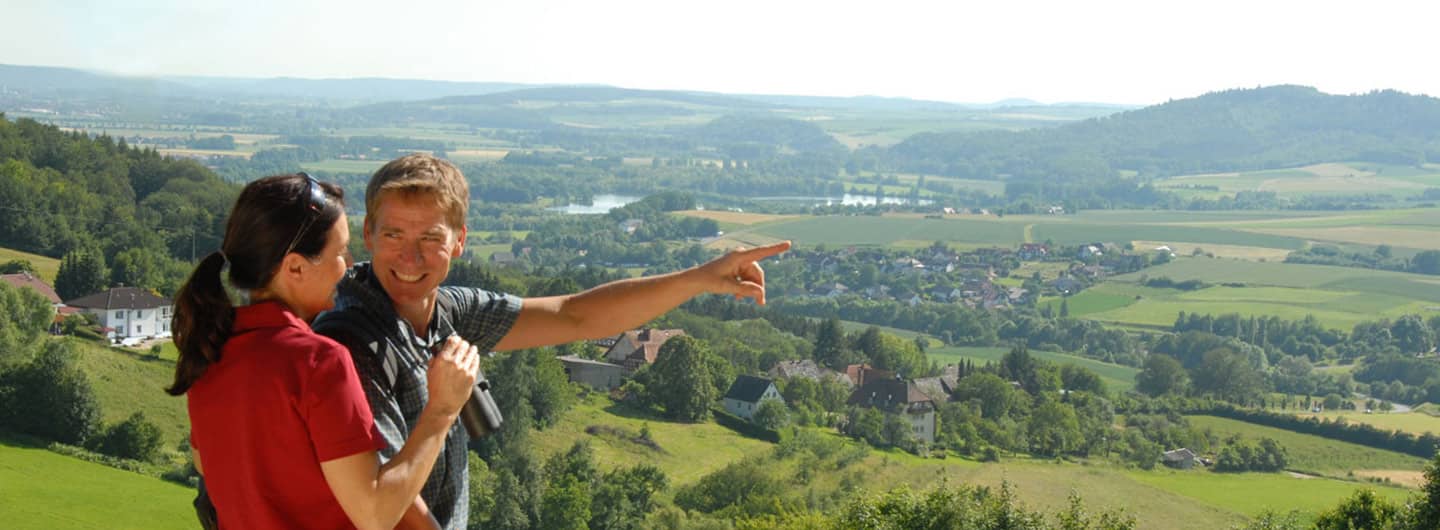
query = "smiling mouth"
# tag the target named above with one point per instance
(407, 278)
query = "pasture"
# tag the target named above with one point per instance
(1251, 494)
(1339, 297)
(1410, 422)
(1320, 179)
(45, 267)
(345, 167)
(41, 489)
(1312, 454)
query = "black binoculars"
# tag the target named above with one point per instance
(480, 415)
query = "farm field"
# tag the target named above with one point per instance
(1145, 227)
(46, 267)
(1313, 454)
(1117, 377)
(331, 165)
(42, 489)
(1251, 494)
(1339, 297)
(1319, 179)
(1410, 422)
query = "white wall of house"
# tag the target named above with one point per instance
(745, 409)
(923, 426)
(128, 323)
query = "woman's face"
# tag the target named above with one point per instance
(316, 290)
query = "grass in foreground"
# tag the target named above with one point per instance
(41, 489)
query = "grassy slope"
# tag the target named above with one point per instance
(1313, 454)
(46, 267)
(125, 383)
(1159, 499)
(40, 489)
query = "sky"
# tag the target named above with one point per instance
(1108, 51)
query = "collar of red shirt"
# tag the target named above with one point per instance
(268, 314)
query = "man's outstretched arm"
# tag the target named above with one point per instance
(621, 305)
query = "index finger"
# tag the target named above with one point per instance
(759, 253)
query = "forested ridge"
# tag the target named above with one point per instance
(1232, 130)
(142, 215)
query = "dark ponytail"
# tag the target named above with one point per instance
(271, 215)
(203, 316)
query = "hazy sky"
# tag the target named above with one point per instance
(1143, 51)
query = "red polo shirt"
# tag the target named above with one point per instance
(281, 400)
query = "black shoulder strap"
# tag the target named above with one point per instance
(364, 338)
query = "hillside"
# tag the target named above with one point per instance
(1243, 129)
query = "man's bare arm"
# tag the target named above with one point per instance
(621, 305)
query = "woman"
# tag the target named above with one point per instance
(280, 427)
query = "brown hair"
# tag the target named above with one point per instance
(421, 175)
(269, 214)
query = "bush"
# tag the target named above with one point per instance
(135, 438)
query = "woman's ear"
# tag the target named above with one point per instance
(293, 267)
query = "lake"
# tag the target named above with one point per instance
(600, 204)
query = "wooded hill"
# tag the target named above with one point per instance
(142, 213)
(1233, 130)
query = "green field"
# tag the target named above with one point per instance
(1117, 377)
(880, 231)
(44, 266)
(1339, 297)
(1319, 179)
(1411, 422)
(1251, 494)
(689, 451)
(41, 489)
(1313, 454)
(354, 167)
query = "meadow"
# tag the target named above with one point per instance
(45, 267)
(1312, 454)
(1339, 297)
(1320, 179)
(42, 489)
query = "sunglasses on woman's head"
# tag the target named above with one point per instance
(314, 203)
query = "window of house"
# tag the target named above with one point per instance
(139, 329)
(119, 314)
(140, 314)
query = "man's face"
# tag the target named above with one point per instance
(412, 246)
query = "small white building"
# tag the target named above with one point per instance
(128, 312)
(746, 393)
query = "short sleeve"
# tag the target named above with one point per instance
(334, 406)
(482, 317)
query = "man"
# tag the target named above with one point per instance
(389, 312)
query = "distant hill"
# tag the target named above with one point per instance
(356, 89)
(1233, 130)
(48, 79)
